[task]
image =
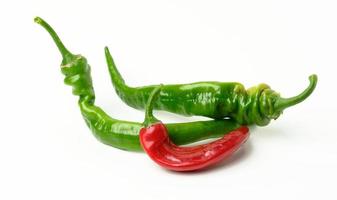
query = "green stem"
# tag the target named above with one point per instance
(149, 118)
(283, 103)
(67, 56)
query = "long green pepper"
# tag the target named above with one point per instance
(118, 133)
(218, 100)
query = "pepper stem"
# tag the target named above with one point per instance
(149, 118)
(67, 56)
(284, 103)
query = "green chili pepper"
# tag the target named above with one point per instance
(218, 100)
(118, 133)
(158, 146)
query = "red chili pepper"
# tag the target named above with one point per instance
(158, 146)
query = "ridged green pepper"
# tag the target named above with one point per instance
(118, 133)
(218, 100)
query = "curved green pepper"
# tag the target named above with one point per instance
(218, 100)
(118, 133)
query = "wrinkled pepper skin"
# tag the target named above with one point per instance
(125, 134)
(158, 146)
(118, 133)
(218, 100)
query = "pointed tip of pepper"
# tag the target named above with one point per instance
(106, 51)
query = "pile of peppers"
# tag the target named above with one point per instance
(231, 107)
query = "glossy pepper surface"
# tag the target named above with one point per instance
(157, 144)
(218, 100)
(119, 133)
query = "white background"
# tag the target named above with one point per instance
(47, 152)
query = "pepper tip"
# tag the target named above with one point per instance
(106, 50)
